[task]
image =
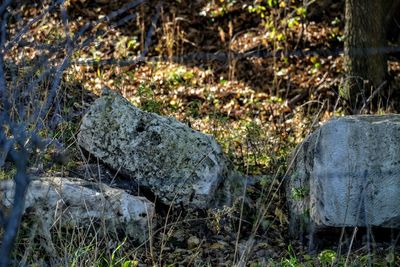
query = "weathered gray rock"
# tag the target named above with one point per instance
(347, 173)
(74, 202)
(177, 163)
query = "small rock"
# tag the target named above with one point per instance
(193, 242)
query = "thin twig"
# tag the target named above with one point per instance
(375, 93)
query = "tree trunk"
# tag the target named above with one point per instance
(364, 49)
(392, 20)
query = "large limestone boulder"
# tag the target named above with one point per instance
(74, 202)
(346, 173)
(177, 163)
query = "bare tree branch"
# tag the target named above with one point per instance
(25, 29)
(22, 111)
(21, 179)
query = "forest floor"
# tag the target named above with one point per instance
(259, 76)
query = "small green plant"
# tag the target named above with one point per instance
(327, 257)
(194, 108)
(148, 100)
(222, 80)
(120, 261)
(219, 8)
(7, 174)
(79, 253)
(292, 260)
(299, 193)
(127, 46)
(179, 76)
(316, 64)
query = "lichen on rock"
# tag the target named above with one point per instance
(177, 163)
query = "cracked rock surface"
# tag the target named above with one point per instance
(178, 164)
(72, 202)
(347, 173)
